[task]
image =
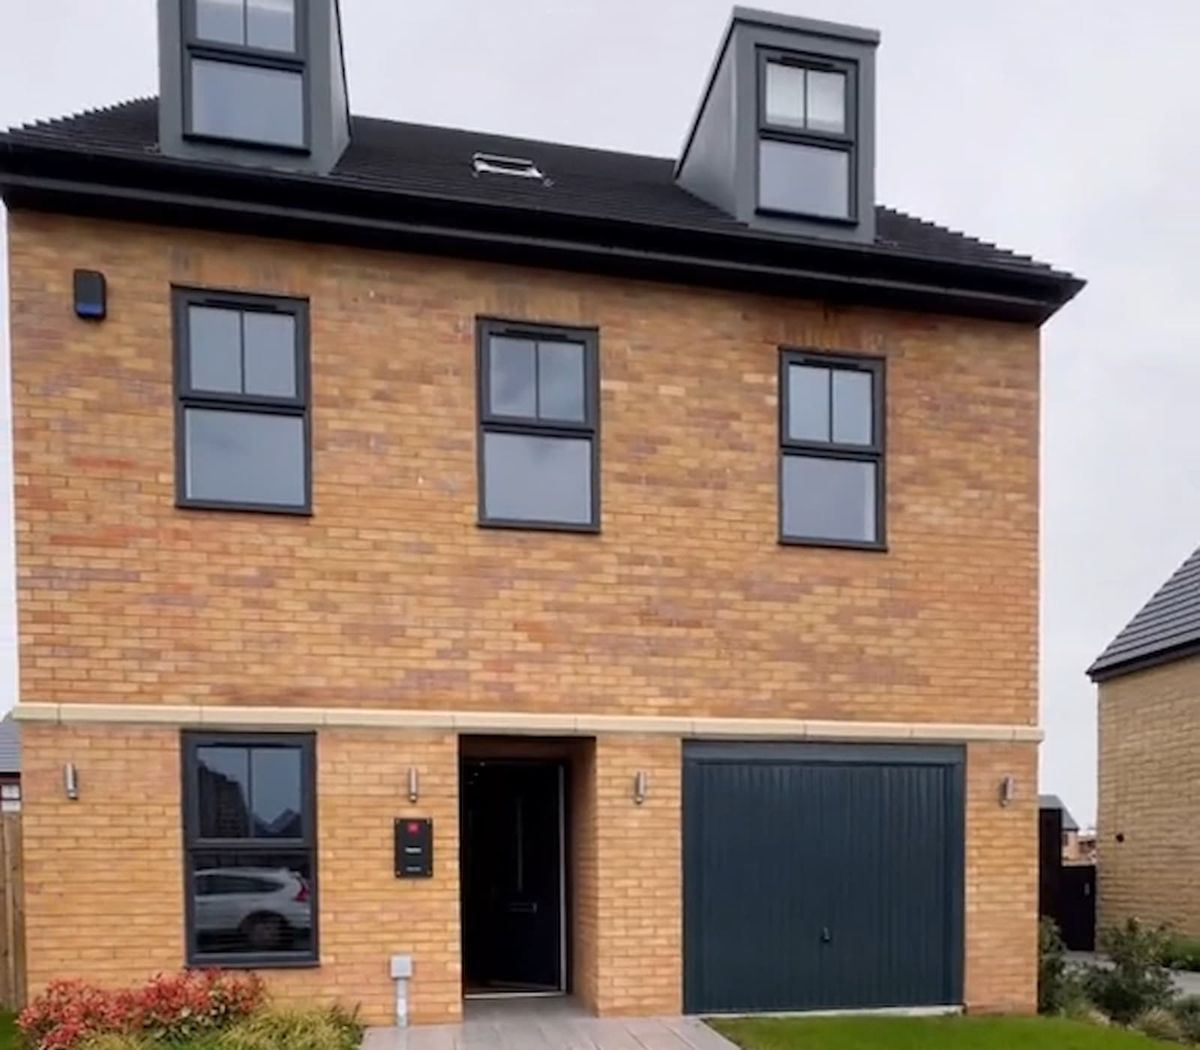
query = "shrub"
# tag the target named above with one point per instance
(116, 1041)
(1159, 1023)
(170, 1008)
(177, 1007)
(1137, 981)
(301, 1029)
(1060, 989)
(1187, 1013)
(1182, 953)
(68, 1012)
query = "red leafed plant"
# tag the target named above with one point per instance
(170, 1008)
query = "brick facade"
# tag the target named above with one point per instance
(390, 596)
(1150, 795)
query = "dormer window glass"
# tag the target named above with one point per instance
(267, 24)
(245, 77)
(806, 148)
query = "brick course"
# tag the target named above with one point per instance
(391, 597)
(1150, 794)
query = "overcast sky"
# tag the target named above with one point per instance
(1062, 128)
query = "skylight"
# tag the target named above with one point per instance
(498, 164)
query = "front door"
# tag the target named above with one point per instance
(512, 876)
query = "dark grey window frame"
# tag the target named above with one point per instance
(846, 141)
(489, 422)
(873, 453)
(194, 843)
(296, 61)
(186, 397)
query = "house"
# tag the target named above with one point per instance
(1071, 837)
(459, 565)
(1148, 682)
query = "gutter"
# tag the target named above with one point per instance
(311, 209)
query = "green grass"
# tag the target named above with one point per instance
(943, 1033)
(9, 1036)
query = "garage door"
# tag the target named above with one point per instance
(822, 876)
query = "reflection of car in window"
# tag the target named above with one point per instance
(252, 909)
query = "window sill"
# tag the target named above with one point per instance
(537, 526)
(205, 138)
(246, 508)
(829, 220)
(250, 962)
(879, 546)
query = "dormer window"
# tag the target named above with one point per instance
(806, 141)
(245, 76)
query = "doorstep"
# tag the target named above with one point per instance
(548, 1024)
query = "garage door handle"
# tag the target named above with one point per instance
(826, 936)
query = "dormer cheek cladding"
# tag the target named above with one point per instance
(784, 139)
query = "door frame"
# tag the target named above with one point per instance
(560, 767)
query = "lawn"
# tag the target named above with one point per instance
(943, 1033)
(8, 1031)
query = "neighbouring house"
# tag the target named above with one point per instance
(1148, 681)
(1071, 838)
(10, 765)
(452, 564)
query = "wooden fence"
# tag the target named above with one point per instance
(12, 914)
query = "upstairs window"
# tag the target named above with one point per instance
(242, 423)
(539, 455)
(806, 146)
(831, 483)
(245, 76)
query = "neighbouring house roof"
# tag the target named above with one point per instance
(1054, 802)
(1166, 628)
(10, 745)
(628, 208)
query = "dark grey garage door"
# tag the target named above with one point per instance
(822, 876)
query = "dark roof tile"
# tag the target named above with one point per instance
(418, 159)
(1168, 623)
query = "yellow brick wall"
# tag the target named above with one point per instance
(639, 953)
(104, 874)
(1002, 880)
(1150, 794)
(390, 595)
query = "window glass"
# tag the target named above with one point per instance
(541, 479)
(513, 377)
(276, 805)
(561, 385)
(785, 94)
(826, 101)
(830, 499)
(270, 354)
(215, 343)
(271, 24)
(808, 403)
(247, 103)
(266, 24)
(852, 409)
(223, 790)
(808, 180)
(251, 903)
(221, 21)
(244, 457)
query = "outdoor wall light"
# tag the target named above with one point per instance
(414, 784)
(1008, 791)
(640, 786)
(71, 781)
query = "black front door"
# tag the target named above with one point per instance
(512, 876)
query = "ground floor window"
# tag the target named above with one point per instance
(249, 818)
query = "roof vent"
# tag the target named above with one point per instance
(496, 164)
